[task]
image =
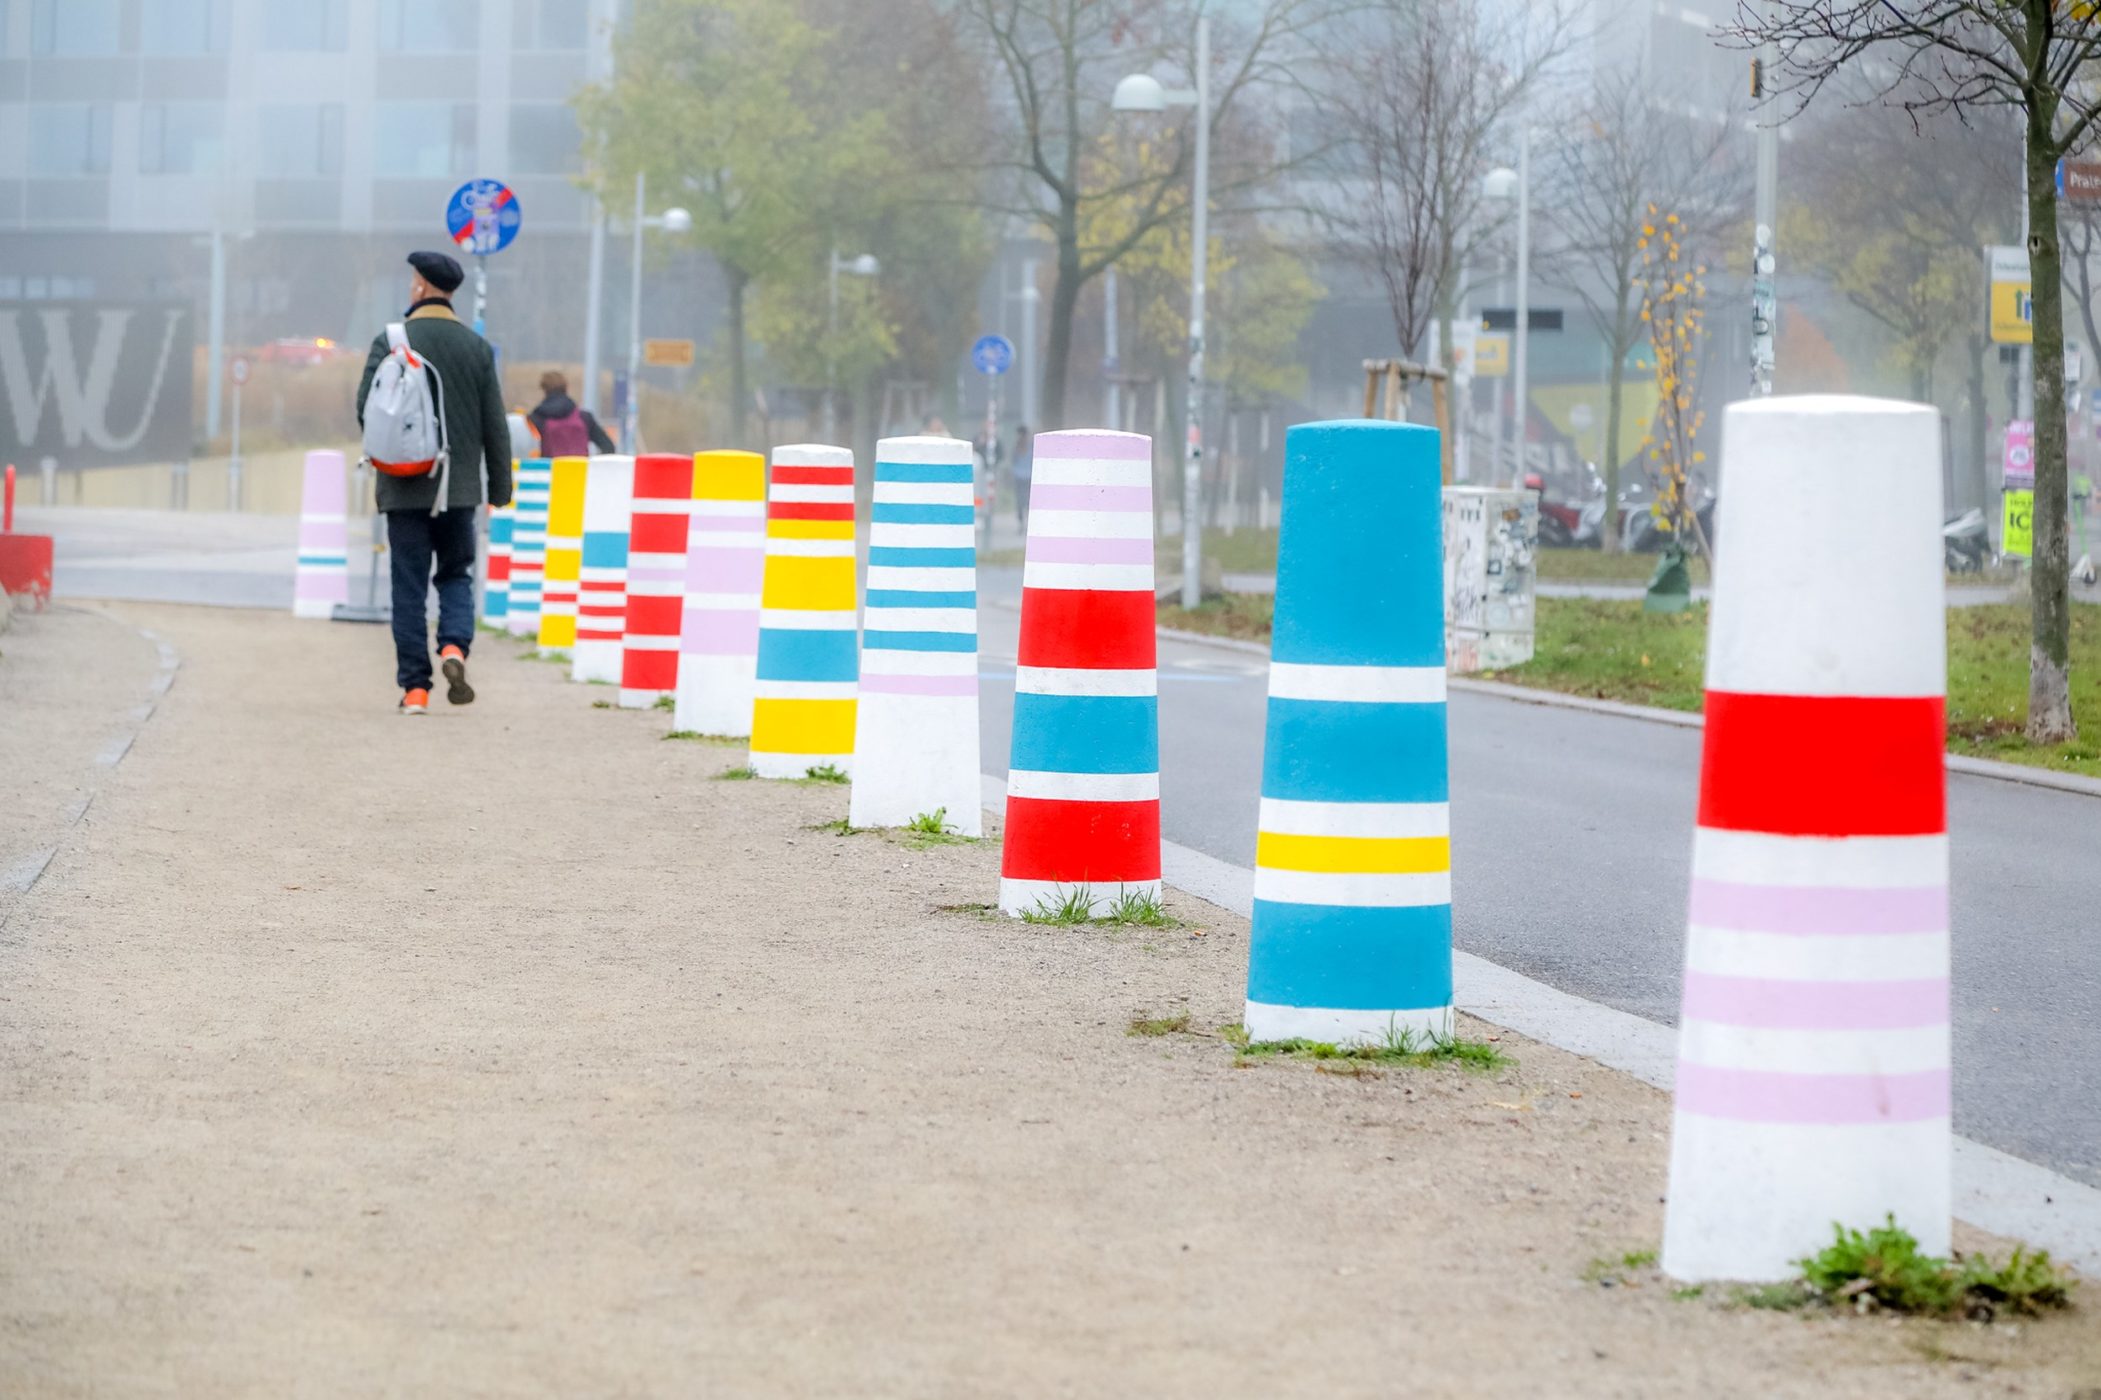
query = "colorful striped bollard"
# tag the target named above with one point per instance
(718, 640)
(322, 578)
(1813, 1046)
(528, 546)
(656, 579)
(564, 555)
(1083, 780)
(803, 713)
(1352, 936)
(496, 583)
(916, 734)
(601, 593)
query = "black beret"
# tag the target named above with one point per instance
(438, 269)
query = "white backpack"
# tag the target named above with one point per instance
(404, 429)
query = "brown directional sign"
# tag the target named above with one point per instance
(667, 352)
(2082, 181)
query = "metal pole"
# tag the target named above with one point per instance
(1030, 298)
(1193, 459)
(831, 337)
(215, 352)
(1521, 333)
(1765, 301)
(233, 461)
(632, 428)
(1112, 365)
(592, 302)
(481, 294)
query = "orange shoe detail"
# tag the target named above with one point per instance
(416, 702)
(452, 652)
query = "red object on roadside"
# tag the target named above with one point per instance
(25, 560)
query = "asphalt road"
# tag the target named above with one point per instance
(1571, 855)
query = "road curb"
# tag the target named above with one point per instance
(1554, 699)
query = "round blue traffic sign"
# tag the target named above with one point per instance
(483, 217)
(993, 354)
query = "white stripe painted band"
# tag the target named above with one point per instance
(1382, 685)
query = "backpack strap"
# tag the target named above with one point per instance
(397, 336)
(438, 506)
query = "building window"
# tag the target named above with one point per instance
(430, 26)
(423, 139)
(301, 141)
(69, 27)
(545, 139)
(184, 26)
(181, 138)
(69, 138)
(552, 24)
(307, 26)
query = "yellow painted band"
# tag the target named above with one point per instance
(810, 529)
(802, 726)
(729, 476)
(563, 565)
(820, 585)
(1354, 855)
(557, 630)
(565, 496)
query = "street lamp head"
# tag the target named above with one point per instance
(1140, 92)
(864, 266)
(1500, 183)
(677, 221)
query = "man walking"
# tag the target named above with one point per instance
(563, 429)
(428, 541)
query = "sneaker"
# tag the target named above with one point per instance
(416, 702)
(453, 662)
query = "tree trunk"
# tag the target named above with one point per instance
(1615, 393)
(2049, 659)
(739, 392)
(1064, 302)
(1979, 427)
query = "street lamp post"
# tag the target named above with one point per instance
(1505, 183)
(863, 266)
(1142, 93)
(670, 221)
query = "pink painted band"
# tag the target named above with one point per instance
(730, 524)
(1772, 1003)
(330, 536)
(1773, 1096)
(1818, 909)
(965, 686)
(1052, 549)
(332, 584)
(1138, 500)
(720, 633)
(1079, 445)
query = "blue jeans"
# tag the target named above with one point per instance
(415, 538)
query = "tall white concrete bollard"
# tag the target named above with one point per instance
(1813, 1054)
(718, 640)
(601, 590)
(916, 736)
(322, 576)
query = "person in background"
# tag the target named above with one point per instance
(1023, 473)
(479, 442)
(564, 429)
(933, 426)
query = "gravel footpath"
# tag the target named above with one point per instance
(508, 1052)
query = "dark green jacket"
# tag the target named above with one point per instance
(475, 430)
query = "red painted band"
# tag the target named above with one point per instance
(654, 615)
(1085, 628)
(1824, 765)
(810, 510)
(1098, 843)
(657, 534)
(662, 477)
(649, 670)
(813, 476)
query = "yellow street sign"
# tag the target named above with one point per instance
(2012, 312)
(1491, 355)
(2017, 527)
(667, 352)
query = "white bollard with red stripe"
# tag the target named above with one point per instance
(601, 590)
(1813, 1059)
(656, 579)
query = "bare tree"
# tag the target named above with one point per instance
(1428, 90)
(1624, 151)
(1959, 56)
(1059, 62)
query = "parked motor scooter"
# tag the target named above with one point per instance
(1570, 521)
(1964, 545)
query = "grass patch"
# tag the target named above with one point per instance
(1143, 1025)
(553, 658)
(976, 911)
(1596, 566)
(1884, 1270)
(1403, 1045)
(695, 736)
(595, 681)
(665, 703)
(931, 829)
(1075, 906)
(1688, 1293)
(823, 773)
(1614, 1272)
(1141, 908)
(737, 775)
(841, 827)
(602, 704)
(1611, 650)
(1246, 616)
(1130, 909)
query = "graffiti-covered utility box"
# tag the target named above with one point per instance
(1490, 539)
